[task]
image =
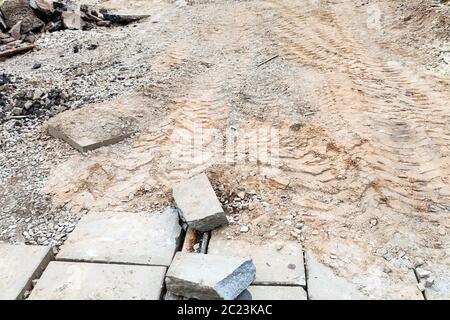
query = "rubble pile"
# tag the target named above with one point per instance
(30, 102)
(22, 20)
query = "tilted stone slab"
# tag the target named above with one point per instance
(273, 293)
(93, 126)
(124, 237)
(324, 284)
(209, 277)
(19, 265)
(198, 204)
(274, 267)
(94, 281)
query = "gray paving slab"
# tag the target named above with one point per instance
(343, 269)
(19, 265)
(92, 126)
(324, 284)
(95, 281)
(206, 276)
(274, 293)
(198, 203)
(274, 266)
(124, 237)
(440, 287)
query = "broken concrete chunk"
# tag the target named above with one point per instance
(198, 204)
(19, 265)
(124, 237)
(123, 18)
(44, 6)
(19, 10)
(72, 20)
(15, 31)
(3, 25)
(209, 277)
(92, 281)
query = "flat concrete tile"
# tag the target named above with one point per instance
(198, 203)
(273, 267)
(19, 265)
(324, 284)
(440, 289)
(273, 293)
(94, 125)
(343, 269)
(92, 281)
(124, 237)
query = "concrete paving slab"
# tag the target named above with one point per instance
(273, 293)
(273, 266)
(324, 284)
(440, 289)
(350, 269)
(92, 281)
(19, 265)
(198, 203)
(95, 125)
(124, 237)
(209, 277)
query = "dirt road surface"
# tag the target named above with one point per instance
(324, 121)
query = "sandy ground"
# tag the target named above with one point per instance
(341, 141)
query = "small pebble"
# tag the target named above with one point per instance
(244, 229)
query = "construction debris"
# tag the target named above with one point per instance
(209, 277)
(13, 51)
(122, 18)
(44, 6)
(355, 185)
(23, 19)
(71, 20)
(198, 204)
(15, 30)
(16, 11)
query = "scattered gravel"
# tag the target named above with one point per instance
(26, 158)
(67, 70)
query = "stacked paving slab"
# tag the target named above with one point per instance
(201, 276)
(113, 255)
